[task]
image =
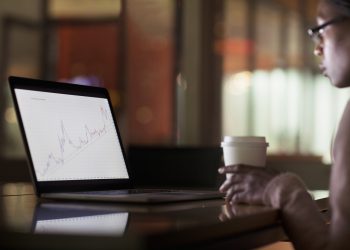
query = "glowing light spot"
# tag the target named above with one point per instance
(10, 115)
(239, 83)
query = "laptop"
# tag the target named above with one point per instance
(74, 147)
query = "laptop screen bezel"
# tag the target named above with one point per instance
(71, 89)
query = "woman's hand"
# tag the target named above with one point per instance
(245, 184)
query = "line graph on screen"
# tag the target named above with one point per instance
(70, 144)
(71, 137)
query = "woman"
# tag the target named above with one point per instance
(300, 216)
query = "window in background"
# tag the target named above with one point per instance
(84, 9)
(126, 46)
(89, 53)
(267, 28)
(150, 60)
(329, 104)
(236, 77)
(85, 43)
(20, 56)
(86, 40)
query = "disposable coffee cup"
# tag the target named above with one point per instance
(247, 150)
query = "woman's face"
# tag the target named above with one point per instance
(334, 46)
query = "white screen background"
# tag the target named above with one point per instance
(70, 137)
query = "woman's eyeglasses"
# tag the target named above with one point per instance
(316, 32)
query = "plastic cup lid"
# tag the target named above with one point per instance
(252, 141)
(244, 139)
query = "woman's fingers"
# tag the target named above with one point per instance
(233, 192)
(239, 168)
(245, 184)
(230, 181)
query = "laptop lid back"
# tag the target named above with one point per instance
(70, 135)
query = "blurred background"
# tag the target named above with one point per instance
(181, 73)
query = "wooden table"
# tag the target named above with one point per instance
(29, 223)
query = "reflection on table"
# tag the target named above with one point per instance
(51, 218)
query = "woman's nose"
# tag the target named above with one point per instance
(318, 50)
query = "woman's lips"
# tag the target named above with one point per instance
(323, 69)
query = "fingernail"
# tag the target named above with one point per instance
(221, 170)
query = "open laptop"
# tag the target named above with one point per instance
(74, 148)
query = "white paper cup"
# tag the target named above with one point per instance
(248, 150)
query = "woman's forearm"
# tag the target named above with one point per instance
(301, 218)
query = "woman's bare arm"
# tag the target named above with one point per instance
(301, 218)
(340, 186)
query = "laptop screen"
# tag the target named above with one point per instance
(70, 137)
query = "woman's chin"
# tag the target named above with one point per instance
(340, 84)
